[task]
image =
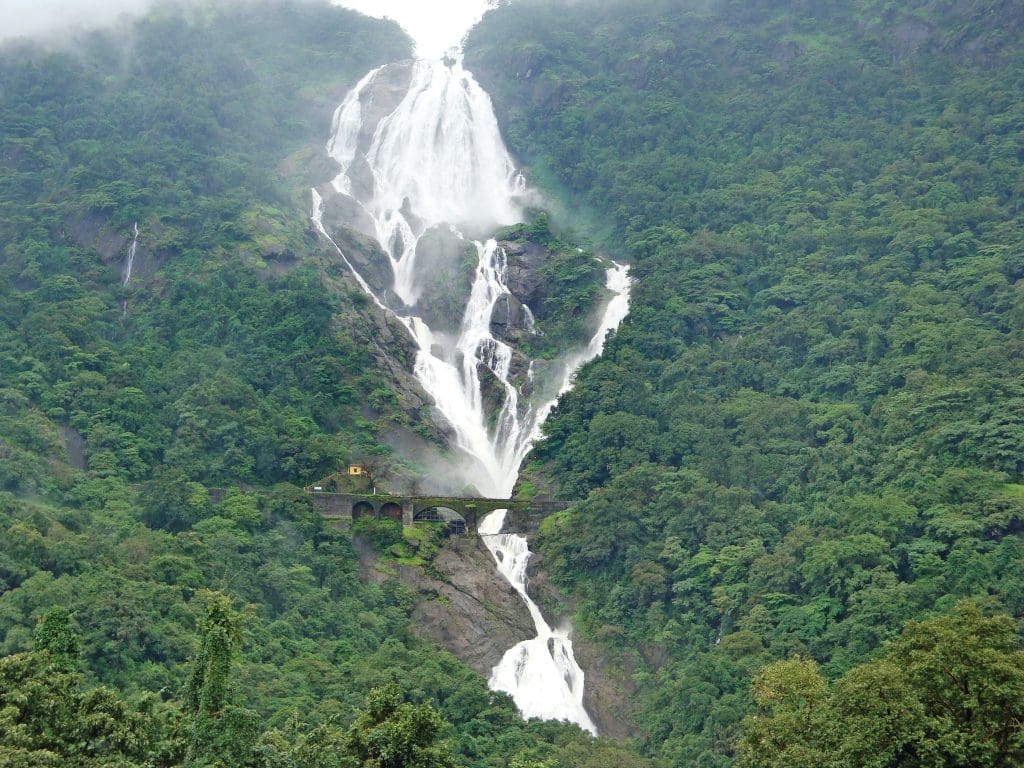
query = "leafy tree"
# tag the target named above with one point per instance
(222, 733)
(47, 719)
(948, 692)
(390, 733)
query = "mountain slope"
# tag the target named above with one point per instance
(810, 429)
(154, 431)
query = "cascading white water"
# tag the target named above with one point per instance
(130, 259)
(128, 263)
(541, 674)
(437, 158)
(434, 159)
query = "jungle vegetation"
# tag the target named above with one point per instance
(810, 430)
(167, 596)
(799, 462)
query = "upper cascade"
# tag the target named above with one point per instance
(434, 157)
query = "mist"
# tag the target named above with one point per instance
(55, 18)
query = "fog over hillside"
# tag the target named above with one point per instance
(436, 26)
(36, 18)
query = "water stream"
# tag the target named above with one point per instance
(420, 153)
(128, 263)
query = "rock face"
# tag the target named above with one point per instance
(524, 278)
(94, 232)
(469, 609)
(351, 228)
(448, 266)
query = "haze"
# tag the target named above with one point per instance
(43, 18)
(435, 25)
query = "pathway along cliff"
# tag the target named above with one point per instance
(422, 160)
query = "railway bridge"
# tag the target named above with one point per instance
(462, 513)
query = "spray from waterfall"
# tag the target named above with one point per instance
(419, 150)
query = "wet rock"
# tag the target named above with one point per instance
(468, 608)
(524, 279)
(389, 88)
(351, 228)
(447, 265)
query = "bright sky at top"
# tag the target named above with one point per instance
(435, 25)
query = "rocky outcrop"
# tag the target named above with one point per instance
(352, 229)
(467, 607)
(524, 278)
(448, 266)
(94, 232)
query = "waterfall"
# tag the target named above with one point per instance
(541, 674)
(128, 262)
(420, 152)
(130, 258)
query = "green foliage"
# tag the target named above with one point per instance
(382, 533)
(206, 364)
(808, 431)
(391, 733)
(150, 434)
(46, 720)
(947, 692)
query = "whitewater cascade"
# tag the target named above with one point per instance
(130, 258)
(420, 152)
(128, 263)
(541, 674)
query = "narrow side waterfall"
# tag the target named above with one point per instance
(422, 162)
(129, 261)
(130, 258)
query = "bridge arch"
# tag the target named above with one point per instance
(390, 510)
(362, 509)
(439, 514)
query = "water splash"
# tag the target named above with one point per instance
(541, 674)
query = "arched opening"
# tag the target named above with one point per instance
(391, 511)
(456, 523)
(362, 509)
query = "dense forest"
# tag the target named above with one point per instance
(799, 464)
(810, 430)
(167, 596)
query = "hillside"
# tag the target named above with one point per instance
(811, 427)
(799, 462)
(167, 595)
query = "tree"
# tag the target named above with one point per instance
(948, 692)
(47, 719)
(223, 734)
(390, 733)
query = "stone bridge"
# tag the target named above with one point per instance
(460, 512)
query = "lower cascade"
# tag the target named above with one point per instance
(541, 674)
(421, 158)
